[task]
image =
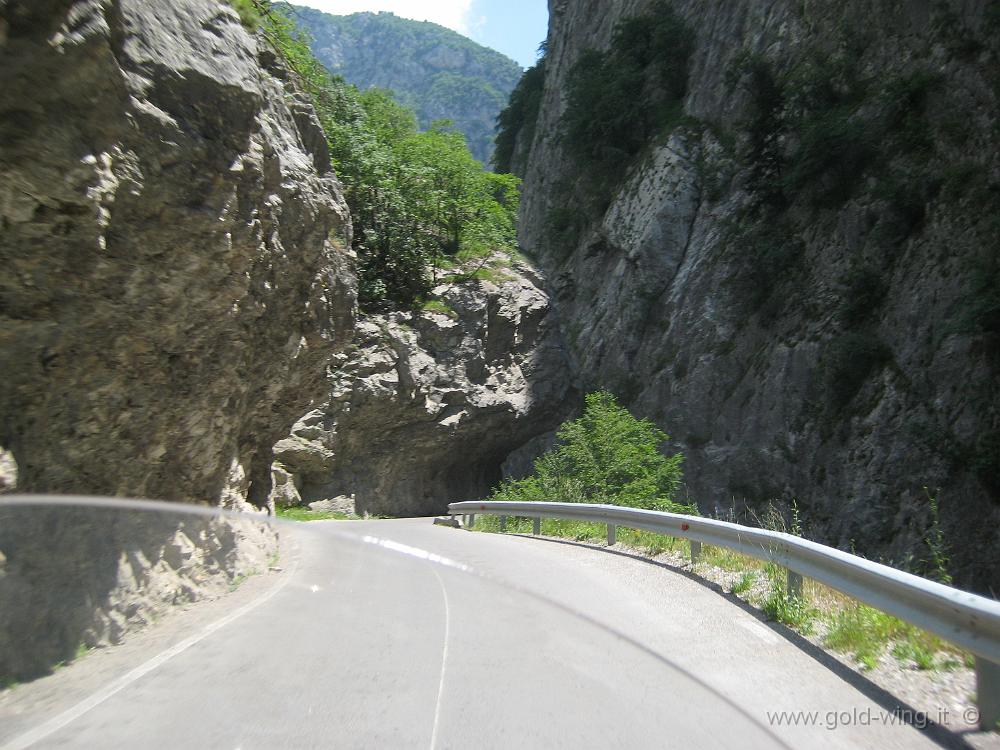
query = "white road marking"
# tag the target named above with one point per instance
(59, 721)
(415, 552)
(423, 554)
(444, 659)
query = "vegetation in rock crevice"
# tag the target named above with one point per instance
(516, 122)
(618, 99)
(824, 133)
(419, 201)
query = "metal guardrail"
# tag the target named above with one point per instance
(967, 620)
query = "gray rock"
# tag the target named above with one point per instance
(79, 576)
(175, 273)
(343, 504)
(8, 472)
(429, 406)
(284, 493)
(649, 311)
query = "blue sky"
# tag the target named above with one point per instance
(514, 27)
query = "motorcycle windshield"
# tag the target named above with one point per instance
(161, 625)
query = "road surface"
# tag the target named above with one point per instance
(376, 634)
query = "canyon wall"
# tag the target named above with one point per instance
(839, 346)
(174, 244)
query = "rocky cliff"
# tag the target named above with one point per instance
(437, 72)
(173, 243)
(430, 406)
(797, 273)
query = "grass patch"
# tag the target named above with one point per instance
(439, 307)
(304, 513)
(867, 634)
(785, 607)
(248, 11)
(580, 531)
(726, 559)
(239, 580)
(651, 543)
(82, 650)
(745, 583)
(493, 275)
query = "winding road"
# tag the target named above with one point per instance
(400, 634)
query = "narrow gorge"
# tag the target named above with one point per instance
(765, 226)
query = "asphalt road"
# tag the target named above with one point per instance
(376, 634)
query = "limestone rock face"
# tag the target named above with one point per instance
(173, 244)
(428, 408)
(650, 292)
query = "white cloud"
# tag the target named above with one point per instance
(455, 14)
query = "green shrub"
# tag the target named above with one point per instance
(605, 456)
(764, 131)
(834, 148)
(618, 99)
(416, 198)
(249, 12)
(814, 131)
(517, 120)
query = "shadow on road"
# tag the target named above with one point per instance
(937, 733)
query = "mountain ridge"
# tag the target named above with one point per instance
(437, 72)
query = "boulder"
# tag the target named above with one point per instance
(175, 250)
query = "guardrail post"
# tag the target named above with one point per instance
(695, 551)
(794, 584)
(536, 528)
(988, 693)
(472, 520)
(612, 534)
(503, 524)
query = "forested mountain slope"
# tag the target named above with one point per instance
(435, 71)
